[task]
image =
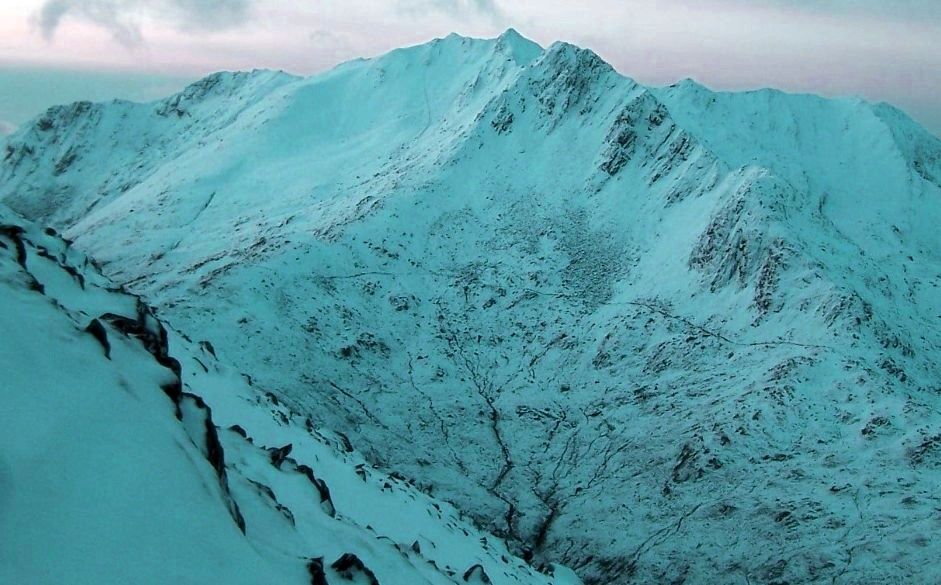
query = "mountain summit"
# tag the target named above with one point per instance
(659, 334)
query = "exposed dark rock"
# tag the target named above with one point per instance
(732, 247)
(400, 302)
(174, 390)
(349, 352)
(768, 277)
(875, 423)
(15, 233)
(98, 331)
(502, 121)
(215, 454)
(927, 452)
(79, 278)
(350, 567)
(570, 79)
(149, 330)
(347, 445)
(207, 346)
(65, 162)
(894, 369)
(321, 486)
(476, 574)
(686, 467)
(279, 454)
(316, 572)
(369, 342)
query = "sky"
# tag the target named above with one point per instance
(54, 51)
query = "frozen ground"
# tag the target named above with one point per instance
(114, 469)
(658, 334)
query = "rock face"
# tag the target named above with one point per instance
(115, 463)
(659, 334)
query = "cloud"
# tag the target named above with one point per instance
(122, 18)
(486, 8)
(6, 128)
(207, 14)
(109, 14)
(894, 9)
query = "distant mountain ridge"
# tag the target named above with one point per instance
(658, 334)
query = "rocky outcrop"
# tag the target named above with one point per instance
(572, 305)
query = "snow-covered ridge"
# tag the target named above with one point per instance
(115, 470)
(655, 333)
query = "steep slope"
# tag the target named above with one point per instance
(661, 334)
(867, 167)
(114, 470)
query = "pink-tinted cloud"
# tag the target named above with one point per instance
(122, 17)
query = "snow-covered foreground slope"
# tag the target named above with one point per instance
(660, 334)
(114, 469)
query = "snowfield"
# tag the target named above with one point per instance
(115, 471)
(655, 334)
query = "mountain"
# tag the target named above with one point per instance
(116, 471)
(658, 334)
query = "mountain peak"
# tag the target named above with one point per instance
(595, 292)
(523, 50)
(562, 55)
(563, 49)
(512, 33)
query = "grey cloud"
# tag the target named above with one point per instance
(488, 8)
(122, 17)
(109, 14)
(897, 9)
(334, 41)
(209, 14)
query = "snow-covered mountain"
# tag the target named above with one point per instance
(115, 470)
(656, 334)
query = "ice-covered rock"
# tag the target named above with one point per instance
(655, 333)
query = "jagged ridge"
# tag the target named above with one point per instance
(693, 319)
(112, 456)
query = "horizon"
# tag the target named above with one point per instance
(874, 51)
(138, 86)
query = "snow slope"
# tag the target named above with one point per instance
(114, 471)
(659, 334)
